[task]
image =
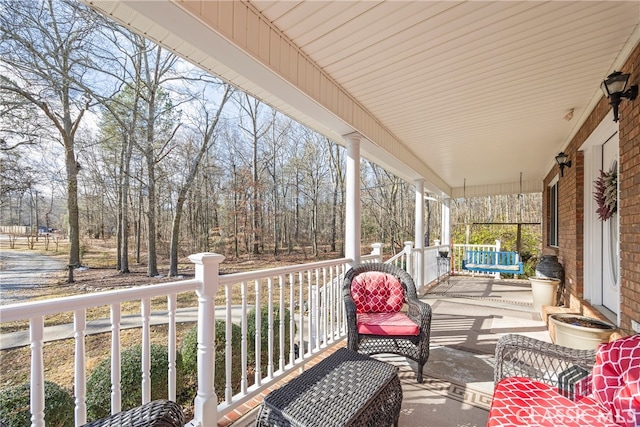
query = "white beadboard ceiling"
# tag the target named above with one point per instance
(470, 96)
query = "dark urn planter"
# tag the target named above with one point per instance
(549, 267)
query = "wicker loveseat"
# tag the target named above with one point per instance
(384, 314)
(542, 384)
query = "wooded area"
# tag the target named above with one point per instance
(105, 134)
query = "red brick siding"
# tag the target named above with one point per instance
(629, 203)
(571, 203)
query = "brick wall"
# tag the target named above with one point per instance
(629, 203)
(571, 204)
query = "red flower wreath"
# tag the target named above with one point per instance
(606, 194)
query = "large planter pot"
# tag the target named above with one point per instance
(544, 290)
(580, 332)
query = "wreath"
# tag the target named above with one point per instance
(606, 194)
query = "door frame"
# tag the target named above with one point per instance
(592, 232)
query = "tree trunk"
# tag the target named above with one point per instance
(175, 235)
(152, 261)
(124, 213)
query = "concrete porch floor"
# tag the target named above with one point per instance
(469, 316)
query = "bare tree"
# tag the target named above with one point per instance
(337, 178)
(315, 171)
(45, 50)
(255, 129)
(276, 156)
(158, 66)
(207, 137)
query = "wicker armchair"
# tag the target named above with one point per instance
(414, 346)
(521, 356)
(157, 413)
(546, 385)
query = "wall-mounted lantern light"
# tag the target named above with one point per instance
(615, 88)
(563, 161)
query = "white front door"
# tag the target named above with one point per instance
(601, 253)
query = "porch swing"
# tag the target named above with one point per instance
(498, 261)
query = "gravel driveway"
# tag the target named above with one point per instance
(22, 272)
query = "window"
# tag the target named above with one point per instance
(553, 213)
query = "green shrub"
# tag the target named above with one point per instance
(15, 410)
(264, 335)
(189, 352)
(99, 383)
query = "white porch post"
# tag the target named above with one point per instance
(419, 234)
(205, 411)
(352, 220)
(445, 232)
(376, 249)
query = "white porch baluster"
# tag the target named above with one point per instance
(327, 303)
(205, 411)
(310, 312)
(314, 320)
(145, 309)
(282, 326)
(323, 303)
(301, 304)
(80, 375)
(244, 352)
(36, 332)
(171, 344)
(292, 319)
(338, 302)
(258, 337)
(270, 331)
(228, 336)
(116, 394)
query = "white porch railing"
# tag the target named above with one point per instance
(312, 293)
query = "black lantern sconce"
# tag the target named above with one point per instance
(615, 88)
(563, 161)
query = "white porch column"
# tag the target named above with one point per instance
(205, 405)
(419, 234)
(352, 214)
(445, 232)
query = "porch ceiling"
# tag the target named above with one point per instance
(463, 94)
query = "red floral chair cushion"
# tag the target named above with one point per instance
(377, 292)
(614, 401)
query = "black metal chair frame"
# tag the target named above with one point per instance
(416, 347)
